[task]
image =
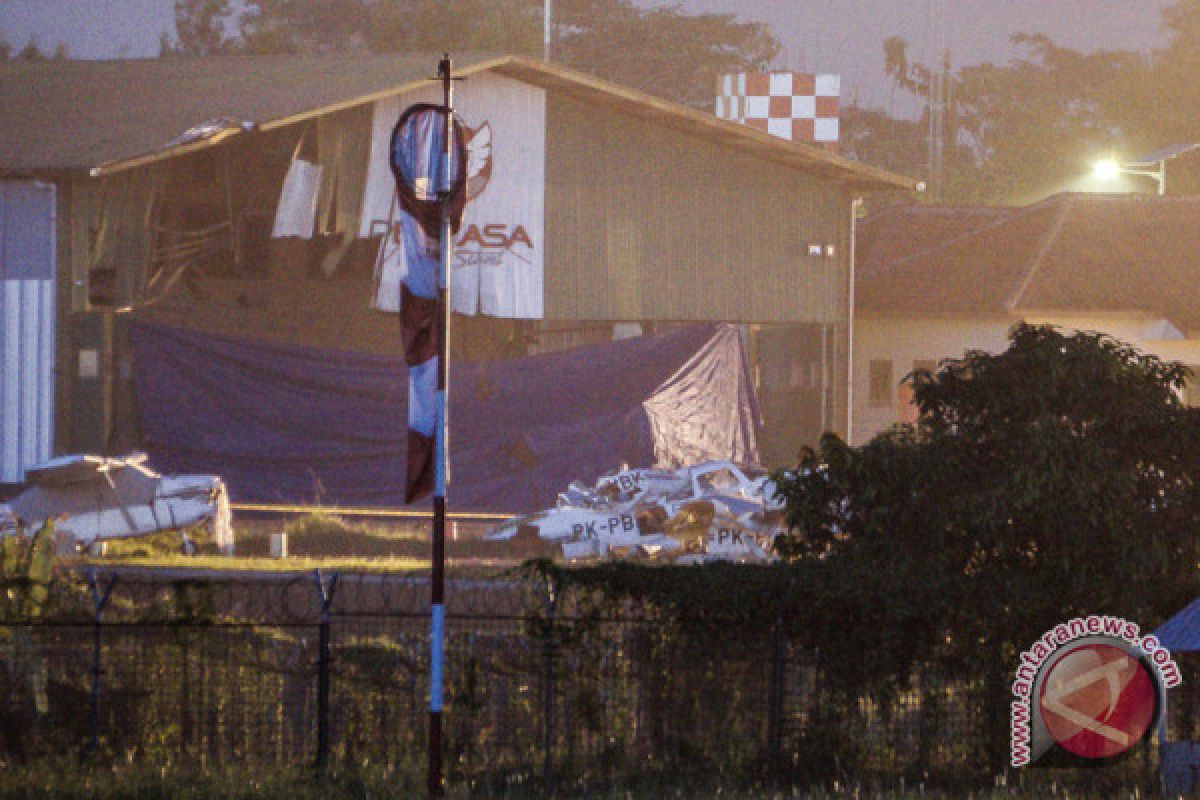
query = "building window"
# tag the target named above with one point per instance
(879, 389)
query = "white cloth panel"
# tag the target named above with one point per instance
(297, 208)
(499, 264)
(390, 267)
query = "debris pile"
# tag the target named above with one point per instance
(717, 510)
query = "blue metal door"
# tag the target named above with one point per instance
(27, 311)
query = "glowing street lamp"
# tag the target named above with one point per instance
(1107, 169)
(1153, 165)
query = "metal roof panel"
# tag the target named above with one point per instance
(81, 114)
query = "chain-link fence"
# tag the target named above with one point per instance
(173, 667)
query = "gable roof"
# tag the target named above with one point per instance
(1071, 252)
(80, 114)
(72, 115)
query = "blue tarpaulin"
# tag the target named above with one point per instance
(1179, 762)
(1181, 633)
(290, 424)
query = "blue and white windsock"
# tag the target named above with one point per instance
(419, 163)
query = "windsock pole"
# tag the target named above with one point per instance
(437, 597)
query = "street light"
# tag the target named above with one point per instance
(1153, 165)
(1107, 169)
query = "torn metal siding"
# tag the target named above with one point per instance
(27, 330)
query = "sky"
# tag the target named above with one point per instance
(90, 28)
(844, 37)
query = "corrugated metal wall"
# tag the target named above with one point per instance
(646, 222)
(27, 313)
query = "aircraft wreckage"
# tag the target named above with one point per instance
(715, 511)
(97, 498)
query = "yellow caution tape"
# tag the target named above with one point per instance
(361, 512)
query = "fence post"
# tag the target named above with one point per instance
(99, 601)
(775, 702)
(324, 658)
(548, 684)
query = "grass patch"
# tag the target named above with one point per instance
(160, 543)
(316, 540)
(68, 779)
(263, 563)
(325, 536)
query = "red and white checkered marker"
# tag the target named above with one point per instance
(795, 106)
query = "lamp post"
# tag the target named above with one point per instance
(1153, 165)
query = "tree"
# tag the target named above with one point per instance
(1056, 479)
(199, 28)
(1024, 129)
(900, 145)
(663, 51)
(502, 26)
(1034, 125)
(292, 26)
(31, 52)
(1151, 106)
(882, 140)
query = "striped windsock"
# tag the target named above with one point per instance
(419, 164)
(421, 312)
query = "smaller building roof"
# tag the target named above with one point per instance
(80, 115)
(1071, 252)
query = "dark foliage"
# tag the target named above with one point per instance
(1053, 480)
(663, 51)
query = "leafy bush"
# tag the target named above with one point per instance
(1056, 479)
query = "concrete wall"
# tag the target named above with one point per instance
(905, 341)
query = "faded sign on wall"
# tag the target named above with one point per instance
(498, 265)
